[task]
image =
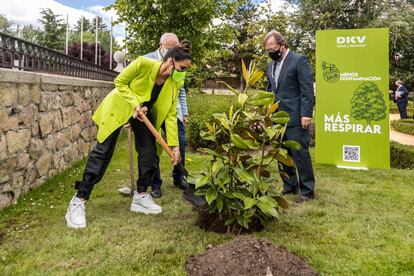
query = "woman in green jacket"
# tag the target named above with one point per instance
(145, 87)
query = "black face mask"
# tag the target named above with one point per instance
(276, 55)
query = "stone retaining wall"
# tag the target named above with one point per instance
(45, 126)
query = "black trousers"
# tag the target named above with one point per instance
(101, 155)
(402, 108)
(305, 180)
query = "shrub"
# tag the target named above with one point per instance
(402, 156)
(394, 108)
(201, 108)
(404, 125)
(238, 185)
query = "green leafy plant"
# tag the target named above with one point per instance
(239, 185)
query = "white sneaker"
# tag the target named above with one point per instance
(144, 204)
(75, 215)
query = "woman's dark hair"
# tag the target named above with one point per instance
(178, 54)
(186, 45)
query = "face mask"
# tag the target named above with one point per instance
(178, 76)
(276, 55)
(163, 52)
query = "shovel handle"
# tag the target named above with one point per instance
(157, 136)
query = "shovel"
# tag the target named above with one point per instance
(127, 190)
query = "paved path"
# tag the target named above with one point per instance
(399, 137)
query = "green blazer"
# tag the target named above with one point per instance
(133, 87)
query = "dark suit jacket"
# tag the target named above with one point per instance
(404, 94)
(294, 89)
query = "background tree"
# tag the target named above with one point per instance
(146, 20)
(311, 15)
(86, 24)
(53, 30)
(29, 33)
(6, 26)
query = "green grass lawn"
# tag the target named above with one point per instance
(361, 223)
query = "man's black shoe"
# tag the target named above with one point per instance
(181, 183)
(156, 193)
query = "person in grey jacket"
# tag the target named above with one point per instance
(167, 42)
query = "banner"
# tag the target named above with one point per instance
(352, 111)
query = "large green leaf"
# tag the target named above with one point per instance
(261, 98)
(281, 117)
(267, 209)
(283, 203)
(229, 87)
(292, 145)
(249, 202)
(244, 175)
(242, 99)
(239, 142)
(219, 203)
(211, 152)
(201, 181)
(211, 195)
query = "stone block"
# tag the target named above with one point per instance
(76, 116)
(76, 130)
(67, 99)
(8, 122)
(29, 115)
(66, 116)
(35, 93)
(36, 148)
(4, 179)
(49, 87)
(46, 102)
(3, 147)
(24, 96)
(18, 140)
(77, 100)
(43, 164)
(22, 160)
(61, 140)
(57, 102)
(51, 142)
(57, 121)
(46, 123)
(8, 165)
(5, 199)
(8, 94)
(31, 175)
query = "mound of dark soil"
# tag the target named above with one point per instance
(247, 256)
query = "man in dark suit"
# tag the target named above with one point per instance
(401, 98)
(290, 79)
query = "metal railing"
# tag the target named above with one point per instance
(19, 54)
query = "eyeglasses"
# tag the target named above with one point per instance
(273, 49)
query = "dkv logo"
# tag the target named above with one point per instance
(350, 41)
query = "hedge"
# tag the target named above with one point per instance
(201, 107)
(402, 156)
(404, 125)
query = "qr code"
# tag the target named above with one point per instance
(351, 153)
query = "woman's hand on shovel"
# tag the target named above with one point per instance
(177, 155)
(138, 111)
